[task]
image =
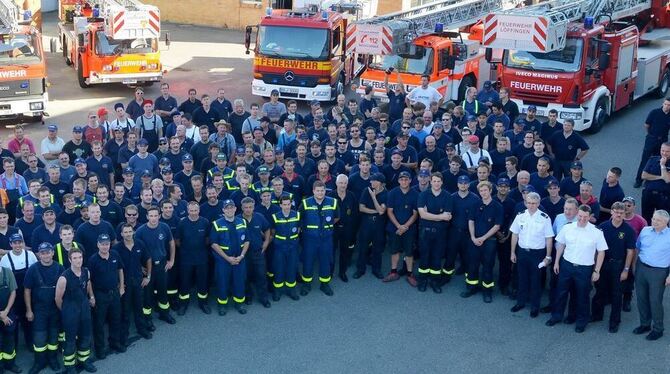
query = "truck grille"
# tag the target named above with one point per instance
(537, 96)
(9, 89)
(297, 81)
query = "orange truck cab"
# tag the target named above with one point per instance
(111, 41)
(23, 73)
(454, 61)
(302, 54)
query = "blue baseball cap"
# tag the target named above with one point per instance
(552, 183)
(262, 170)
(240, 150)
(471, 118)
(45, 247)
(529, 188)
(379, 177)
(576, 165)
(79, 161)
(166, 170)
(228, 202)
(532, 107)
(221, 156)
(142, 142)
(52, 128)
(16, 238)
(104, 238)
(146, 173)
(503, 182)
(464, 179)
(77, 129)
(128, 170)
(186, 157)
(424, 173)
(404, 174)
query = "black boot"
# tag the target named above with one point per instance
(293, 294)
(204, 306)
(305, 289)
(52, 359)
(40, 363)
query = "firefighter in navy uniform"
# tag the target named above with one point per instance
(458, 244)
(286, 224)
(8, 289)
(345, 228)
(372, 206)
(484, 221)
(258, 235)
(229, 242)
(435, 206)
(192, 236)
(320, 214)
(74, 298)
(41, 310)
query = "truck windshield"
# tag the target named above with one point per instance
(418, 63)
(105, 46)
(567, 59)
(293, 42)
(18, 49)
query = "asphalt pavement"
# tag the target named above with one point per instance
(367, 326)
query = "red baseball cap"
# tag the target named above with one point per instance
(473, 139)
(102, 111)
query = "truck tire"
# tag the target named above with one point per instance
(663, 85)
(599, 116)
(467, 82)
(81, 78)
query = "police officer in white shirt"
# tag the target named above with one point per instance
(576, 247)
(532, 234)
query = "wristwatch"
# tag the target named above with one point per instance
(548, 258)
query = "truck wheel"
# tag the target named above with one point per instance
(81, 78)
(663, 85)
(465, 84)
(599, 116)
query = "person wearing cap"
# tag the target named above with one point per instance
(566, 147)
(74, 298)
(472, 156)
(49, 230)
(106, 272)
(620, 239)
(580, 251)
(221, 167)
(6, 231)
(123, 122)
(435, 207)
(531, 246)
(516, 133)
(484, 220)
(77, 147)
(8, 328)
(229, 241)
(319, 215)
(183, 177)
(570, 183)
(656, 174)
(401, 227)
(488, 94)
(463, 200)
(150, 125)
(610, 192)
(371, 233)
(51, 145)
(143, 160)
(531, 123)
(274, 109)
(652, 274)
(553, 203)
(40, 292)
(223, 138)
(157, 237)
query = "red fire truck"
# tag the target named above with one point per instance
(584, 58)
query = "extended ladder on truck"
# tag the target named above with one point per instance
(543, 27)
(389, 33)
(9, 16)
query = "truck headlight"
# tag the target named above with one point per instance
(259, 88)
(153, 66)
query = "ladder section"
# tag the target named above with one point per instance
(129, 19)
(9, 16)
(386, 34)
(543, 27)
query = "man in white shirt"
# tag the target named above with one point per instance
(424, 94)
(51, 146)
(17, 257)
(532, 234)
(472, 156)
(576, 247)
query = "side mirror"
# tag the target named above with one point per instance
(488, 55)
(603, 61)
(167, 39)
(247, 39)
(450, 62)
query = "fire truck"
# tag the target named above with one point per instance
(416, 42)
(302, 52)
(23, 72)
(585, 58)
(111, 41)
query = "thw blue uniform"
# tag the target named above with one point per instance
(231, 236)
(285, 259)
(318, 227)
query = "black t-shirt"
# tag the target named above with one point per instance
(156, 239)
(192, 236)
(439, 204)
(619, 240)
(133, 260)
(105, 272)
(112, 213)
(87, 234)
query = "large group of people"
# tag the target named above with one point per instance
(153, 202)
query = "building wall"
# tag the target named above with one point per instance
(234, 14)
